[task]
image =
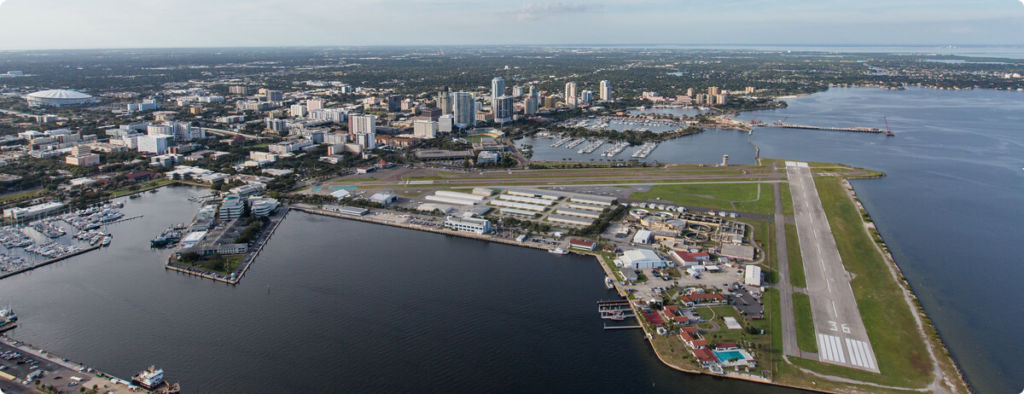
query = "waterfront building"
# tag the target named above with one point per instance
(570, 95)
(464, 109)
(606, 90)
(640, 258)
(232, 207)
(262, 206)
(384, 199)
(34, 211)
(473, 225)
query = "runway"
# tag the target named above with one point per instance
(839, 329)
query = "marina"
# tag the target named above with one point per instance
(640, 123)
(644, 150)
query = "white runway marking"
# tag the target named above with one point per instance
(831, 348)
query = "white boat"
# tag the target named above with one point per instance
(558, 251)
(106, 241)
(608, 283)
(150, 378)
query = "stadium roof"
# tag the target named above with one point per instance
(59, 94)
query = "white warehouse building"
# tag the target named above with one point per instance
(640, 258)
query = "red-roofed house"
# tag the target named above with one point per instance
(691, 330)
(673, 313)
(584, 244)
(703, 299)
(705, 356)
(687, 259)
(726, 346)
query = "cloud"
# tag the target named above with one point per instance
(535, 11)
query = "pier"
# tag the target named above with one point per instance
(779, 124)
(51, 261)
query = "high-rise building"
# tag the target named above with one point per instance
(504, 109)
(424, 129)
(394, 103)
(497, 90)
(362, 124)
(689, 92)
(155, 144)
(444, 102)
(445, 123)
(570, 95)
(530, 105)
(517, 91)
(606, 90)
(238, 90)
(297, 111)
(586, 97)
(713, 90)
(464, 109)
(273, 95)
(314, 104)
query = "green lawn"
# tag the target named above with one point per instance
(796, 264)
(898, 346)
(804, 323)
(787, 199)
(716, 196)
(22, 195)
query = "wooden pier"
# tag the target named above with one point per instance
(871, 130)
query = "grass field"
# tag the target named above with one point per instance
(715, 196)
(894, 336)
(796, 261)
(804, 323)
(22, 195)
(787, 199)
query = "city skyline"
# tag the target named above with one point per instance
(64, 24)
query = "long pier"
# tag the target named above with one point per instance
(51, 261)
(872, 130)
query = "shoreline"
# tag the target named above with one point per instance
(925, 323)
(50, 261)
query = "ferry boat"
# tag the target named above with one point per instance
(150, 378)
(558, 251)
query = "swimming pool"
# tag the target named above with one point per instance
(729, 355)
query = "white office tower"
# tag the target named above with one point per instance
(497, 90)
(517, 91)
(586, 97)
(426, 129)
(606, 90)
(155, 144)
(314, 104)
(504, 109)
(298, 111)
(464, 109)
(366, 140)
(445, 123)
(444, 102)
(362, 124)
(570, 95)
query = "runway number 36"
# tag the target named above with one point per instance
(835, 327)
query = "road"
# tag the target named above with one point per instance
(789, 344)
(839, 329)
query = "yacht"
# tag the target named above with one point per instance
(608, 283)
(558, 251)
(8, 314)
(150, 378)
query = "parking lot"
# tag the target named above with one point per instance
(21, 364)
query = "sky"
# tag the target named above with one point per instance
(67, 24)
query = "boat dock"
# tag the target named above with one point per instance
(51, 261)
(615, 309)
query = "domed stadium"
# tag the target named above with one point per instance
(58, 98)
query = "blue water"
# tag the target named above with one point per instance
(729, 355)
(949, 207)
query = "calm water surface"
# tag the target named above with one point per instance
(340, 306)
